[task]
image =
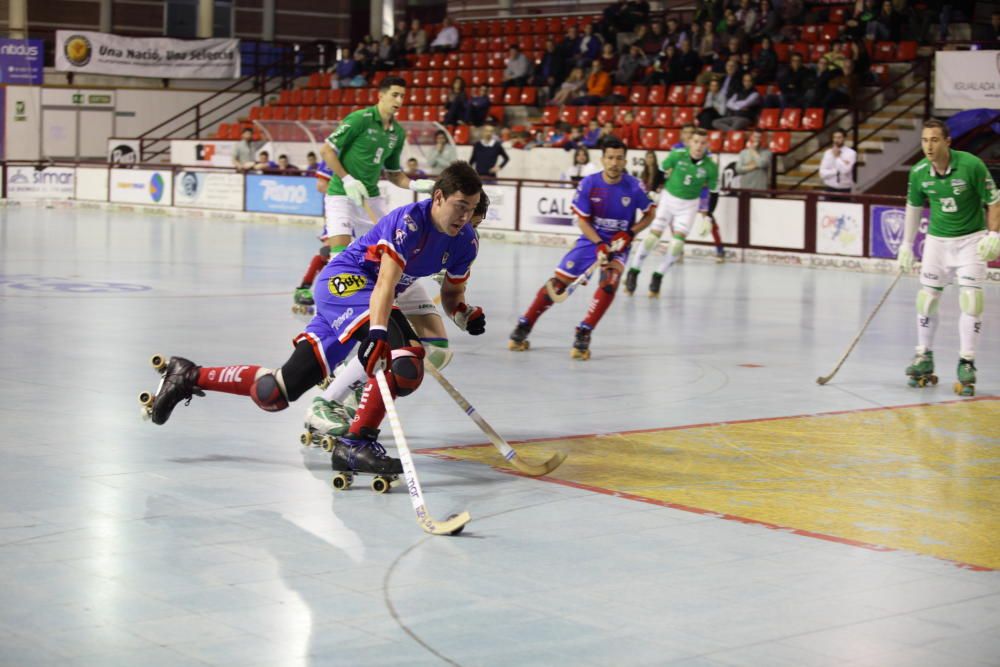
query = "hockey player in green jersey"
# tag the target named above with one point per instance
(960, 240)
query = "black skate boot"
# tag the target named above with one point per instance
(581, 344)
(178, 384)
(519, 336)
(353, 456)
(654, 285)
(631, 279)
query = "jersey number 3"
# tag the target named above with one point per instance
(378, 156)
(948, 205)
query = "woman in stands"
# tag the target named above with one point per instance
(457, 106)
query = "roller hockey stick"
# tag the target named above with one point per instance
(508, 452)
(454, 524)
(582, 279)
(826, 378)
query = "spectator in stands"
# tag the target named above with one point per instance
(837, 168)
(714, 106)
(589, 48)
(766, 23)
(754, 164)
(311, 164)
(593, 134)
(887, 24)
(790, 14)
(243, 151)
(694, 34)
(350, 71)
(569, 46)
(413, 170)
(732, 48)
(442, 154)
(862, 62)
(598, 86)
(765, 65)
(652, 178)
(400, 35)
(580, 168)
(746, 15)
(674, 34)
(649, 43)
(836, 56)
(570, 141)
(856, 27)
(479, 107)
(729, 26)
(741, 108)
(630, 65)
(609, 59)
(537, 140)
(685, 65)
(630, 131)
(486, 152)
(368, 47)
(264, 162)
(656, 75)
(842, 88)
(387, 54)
(518, 68)
(708, 44)
(284, 166)
(709, 10)
(607, 133)
(731, 80)
(457, 104)
(551, 70)
(794, 84)
(416, 38)
(571, 88)
(447, 39)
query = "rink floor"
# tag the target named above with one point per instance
(717, 506)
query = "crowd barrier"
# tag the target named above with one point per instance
(822, 230)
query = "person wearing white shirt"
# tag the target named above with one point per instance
(837, 168)
(447, 39)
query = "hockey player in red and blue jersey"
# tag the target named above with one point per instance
(354, 299)
(606, 205)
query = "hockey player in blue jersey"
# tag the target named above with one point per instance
(606, 206)
(354, 298)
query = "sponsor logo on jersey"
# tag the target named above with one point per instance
(927, 184)
(410, 223)
(444, 259)
(958, 185)
(346, 284)
(400, 236)
(570, 264)
(346, 315)
(626, 201)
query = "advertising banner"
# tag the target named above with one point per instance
(840, 229)
(123, 151)
(207, 189)
(501, 214)
(967, 80)
(160, 57)
(887, 231)
(92, 183)
(46, 183)
(547, 209)
(295, 195)
(22, 61)
(140, 186)
(202, 152)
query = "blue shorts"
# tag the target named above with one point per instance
(342, 301)
(582, 256)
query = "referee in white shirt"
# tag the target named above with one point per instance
(837, 168)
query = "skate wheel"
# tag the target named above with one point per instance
(306, 439)
(327, 443)
(146, 399)
(158, 362)
(518, 347)
(342, 481)
(965, 389)
(380, 485)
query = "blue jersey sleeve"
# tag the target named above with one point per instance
(464, 252)
(581, 200)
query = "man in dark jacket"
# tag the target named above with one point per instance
(486, 152)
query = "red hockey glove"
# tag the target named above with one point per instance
(621, 241)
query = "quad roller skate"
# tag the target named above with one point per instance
(654, 285)
(921, 370)
(966, 385)
(720, 256)
(177, 384)
(519, 336)
(302, 301)
(631, 279)
(363, 456)
(325, 421)
(581, 344)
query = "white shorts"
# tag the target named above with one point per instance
(946, 256)
(416, 300)
(676, 213)
(343, 218)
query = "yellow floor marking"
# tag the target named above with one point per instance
(921, 478)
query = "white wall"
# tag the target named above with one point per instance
(139, 109)
(23, 132)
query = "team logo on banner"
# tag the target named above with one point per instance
(156, 187)
(893, 222)
(78, 50)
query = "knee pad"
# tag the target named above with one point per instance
(651, 241)
(927, 301)
(267, 393)
(407, 369)
(677, 246)
(324, 252)
(970, 300)
(609, 280)
(557, 285)
(300, 372)
(437, 353)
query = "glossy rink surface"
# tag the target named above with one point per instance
(719, 516)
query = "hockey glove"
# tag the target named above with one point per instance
(355, 190)
(621, 241)
(989, 247)
(705, 228)
(603, 251)
(904, 260)
(425, 185)
(470, 318)
(374, 351)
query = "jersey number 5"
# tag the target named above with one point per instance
(378, 156)
(948, 205)
(687, 180)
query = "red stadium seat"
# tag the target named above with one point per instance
(768, 119)
(479, 77)
(435, 78)
(650, 138)
(436, 61)
(619, 91)
(465, 60)
(461, 135)
(267, 113)
(644, 116)
(550, 115)
(683, 116)
(529, 96)
(657, 95)
(791, 118)
(802, 49)
(479, 61)
(314, 81)
(568, 115)
(734, 141)
(715, 140)
(512, 95)
(322, 97)
(405, 113)
(335, 96)
(331, 113)
(494, 77)
(416, 95)
(495, 96)
(881, 73)
(664, 117)
(296, 97)
(423, 61)
(669, 139)
(782, 50)
(907, 51)
(780, 142)
(585, 114)
(885, 52)
(838, 15)
(620, 112)
(605, 114)
(639, 95)
(819, 50)
(305, 113)
(419, 78)
(812, 119)
(676, 94)
(696, 96)
(829, 32)
(810, 33)
(256, 113)
(285, 97)
(349, 96)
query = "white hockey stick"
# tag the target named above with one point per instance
(582, 279)
(454, 524)
(826, 378)
(508, 452)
